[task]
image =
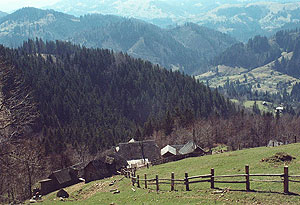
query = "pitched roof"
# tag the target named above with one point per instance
(62, 176)
(139, 149)
(167, 149)
(132, 140)
(177, 147)
(189, 148)
(109, 157)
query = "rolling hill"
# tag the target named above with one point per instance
(186, 48)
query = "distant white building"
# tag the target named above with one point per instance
(274, 143)
(280, 108)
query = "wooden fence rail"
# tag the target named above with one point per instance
(211, 178)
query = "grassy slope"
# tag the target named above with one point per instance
(226, 163)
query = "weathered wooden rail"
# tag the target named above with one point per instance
(211, 178)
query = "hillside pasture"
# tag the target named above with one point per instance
(224, 164)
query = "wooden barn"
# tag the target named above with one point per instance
(59, 179)
(103, 166)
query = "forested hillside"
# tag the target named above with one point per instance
(63, 104)
(186, 48)
(260, 51)
(100, 98)
(257, 52)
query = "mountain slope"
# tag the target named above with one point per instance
(193, 36)
(241, 19)
(260, 51)
(265, 68)
(169, 48)
(97, 98)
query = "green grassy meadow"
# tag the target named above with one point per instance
(99, 192)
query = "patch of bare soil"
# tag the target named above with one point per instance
(280, 157)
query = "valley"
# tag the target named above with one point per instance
(90, 89)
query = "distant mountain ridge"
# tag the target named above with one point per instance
(187, 48)
(2, 14)
(242, 19)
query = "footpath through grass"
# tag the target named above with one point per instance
(226, 163)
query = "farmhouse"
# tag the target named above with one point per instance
(190, 148)
(59, 179)
(138, 152)
(104, 166)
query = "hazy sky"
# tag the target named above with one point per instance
(11, 5)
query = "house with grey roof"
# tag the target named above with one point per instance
(190, 148)
(146, 150)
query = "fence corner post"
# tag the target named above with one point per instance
(187, 186)
(286, 179)
(156, 181)
(172, 181)
(212, 178)
(146, 181)
(247, 178)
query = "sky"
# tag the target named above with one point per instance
(12, 5)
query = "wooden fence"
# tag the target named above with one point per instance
(211, 178)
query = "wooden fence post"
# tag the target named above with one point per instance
(247, 178)
(187, 187)
(146, 181)
(138, 181)
(172, 181)
(212, 179)
(156, 181)
(295, 139)
(286, 179)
